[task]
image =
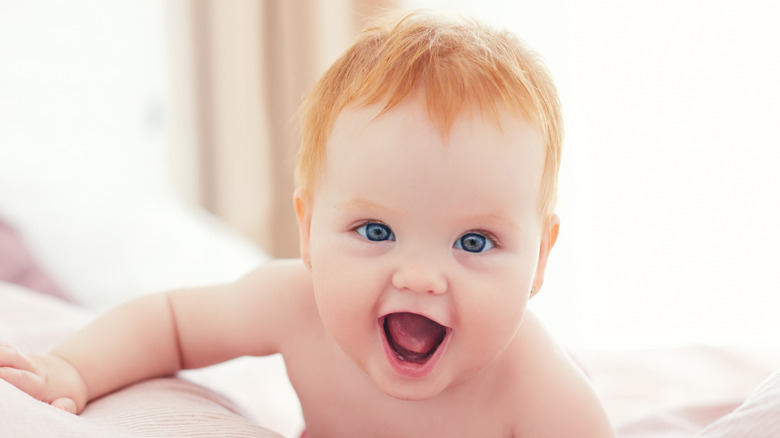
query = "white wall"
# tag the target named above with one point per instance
(670, 189)
(83, 82)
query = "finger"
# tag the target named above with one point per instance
(10, 356)
(66, 404)
(27, 381)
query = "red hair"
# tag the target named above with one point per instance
(457, 64)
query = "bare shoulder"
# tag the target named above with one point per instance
(274, 301)
(554, 392)
(279, 286)
(284, 277)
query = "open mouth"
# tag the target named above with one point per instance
(413, 338)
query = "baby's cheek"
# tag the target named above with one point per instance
(494, 316)
(339, 295)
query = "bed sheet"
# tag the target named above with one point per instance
(676, 392)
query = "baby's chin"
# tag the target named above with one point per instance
(418, 390)
(411, 391)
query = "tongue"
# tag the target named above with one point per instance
(414, 333)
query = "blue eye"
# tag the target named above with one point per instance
(474, 242)
(375, 232)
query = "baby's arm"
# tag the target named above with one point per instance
(152, 336)
(130, 343)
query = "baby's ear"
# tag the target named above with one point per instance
(549, 237)
(303, 212)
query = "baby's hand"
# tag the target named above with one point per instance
(46, 377)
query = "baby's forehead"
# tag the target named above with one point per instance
(357, 115)
(378, 132)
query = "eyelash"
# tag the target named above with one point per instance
(364, 234)
(489, 239)
(488, 235)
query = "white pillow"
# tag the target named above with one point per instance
(106, 247)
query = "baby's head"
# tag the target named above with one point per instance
(457, 64)
(426, 191)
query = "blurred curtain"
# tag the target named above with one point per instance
(238, 72)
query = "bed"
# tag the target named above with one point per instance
(58, 270)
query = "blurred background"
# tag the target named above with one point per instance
(670, 190)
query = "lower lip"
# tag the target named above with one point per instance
(410, 369)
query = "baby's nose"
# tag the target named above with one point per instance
(420, 275)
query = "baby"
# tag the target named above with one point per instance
(425, 203)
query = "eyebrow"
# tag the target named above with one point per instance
(359, 203)
(492, 219)
(487, 218)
